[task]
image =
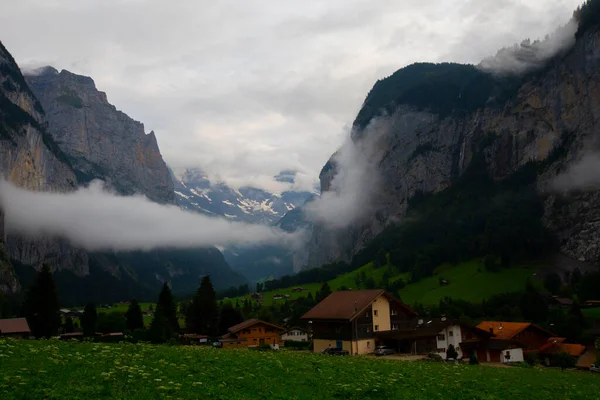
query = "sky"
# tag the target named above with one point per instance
(245, 89)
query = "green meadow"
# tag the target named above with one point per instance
(72, 370)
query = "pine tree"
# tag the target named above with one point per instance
(89, 319)
(323, 292)
(203, 315)
(41, 307)
(229, 317)
(134, 319)
(169, 308)
(473, 359)
(160, 329)
(451, 353)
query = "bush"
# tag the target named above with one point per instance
(296, 345)
(262, 347)
(451, 353)
(564, 361)
(473, 359)
(531, 359)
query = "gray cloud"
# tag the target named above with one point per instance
(247, 89)
(356, 180)
(582, 175)
(95, 219)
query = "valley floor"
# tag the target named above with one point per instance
(60, 370)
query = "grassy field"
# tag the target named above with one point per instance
(468, 281)
(591, 312)
(58, 370)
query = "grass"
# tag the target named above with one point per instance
(62, 370)
(593, 313)
(467, 281)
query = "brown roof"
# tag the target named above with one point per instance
(508, 330)
(348, 304)
(14, 325)
(249, 323)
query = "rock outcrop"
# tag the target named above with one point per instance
(549, 112)
(100, 141)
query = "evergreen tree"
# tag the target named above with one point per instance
(169, 308)
(575, 277)
(552, 282)
(533, 307)
(134, 319)
(380, 258)
(229, 317)
(89, 319)
(323, 292)
(41, 308)
(160, 329)
(69, 327)
(203, 315)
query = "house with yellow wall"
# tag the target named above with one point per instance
(351, 319)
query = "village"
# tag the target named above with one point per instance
(375, 323)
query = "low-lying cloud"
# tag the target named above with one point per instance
(583, 175)
(95, 219)
(351, 196)
(528, 56)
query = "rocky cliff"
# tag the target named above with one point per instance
(434, 118)
(100, 141)
(82, 137)
(30, 158)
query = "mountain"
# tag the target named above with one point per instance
(79, 138)
(476, 143)
(196, 192)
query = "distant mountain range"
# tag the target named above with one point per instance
(196, 192)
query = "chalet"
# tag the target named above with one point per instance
(252, 332)
(298, 290)
(592, 303)
(562, 302)
(14, 327)
(433, 335)
(193, 338)
(296, 334)
(351, 319)
(556, 345)
(510, 340)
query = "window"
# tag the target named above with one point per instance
(441, 337)
(451, 333)
(338, 330)
(376, 328)
(375, 312)
(394, 327)
(368, 345)
(394, 312)
(367, 315)
(368, 329)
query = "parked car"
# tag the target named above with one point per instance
(383, 351)
(335, 351)
(595, 368)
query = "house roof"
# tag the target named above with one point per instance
(14, 325)
(348, 304)
(565, 301)
(248, 323)
(508, 330)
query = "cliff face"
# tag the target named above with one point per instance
(30, 159)
(79, 138)
(552, 111)
(100, 141)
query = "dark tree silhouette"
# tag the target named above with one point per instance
(169, 308)
(89, 319)
(230, 316)
(203, 315)
(41, 308)
(134, 317)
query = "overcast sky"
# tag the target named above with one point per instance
(246, 88)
